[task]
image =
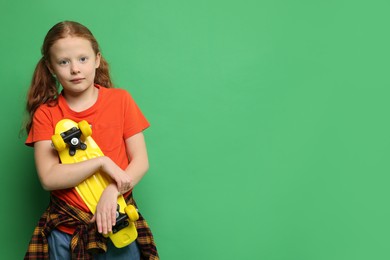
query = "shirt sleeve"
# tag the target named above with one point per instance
(134, 120)
(42, 127)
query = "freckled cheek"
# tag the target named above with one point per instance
(92, 72)
(61, 72)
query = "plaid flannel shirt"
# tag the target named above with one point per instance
(85, 241)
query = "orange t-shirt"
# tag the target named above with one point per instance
(114, 118)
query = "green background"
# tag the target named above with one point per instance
(270, 127)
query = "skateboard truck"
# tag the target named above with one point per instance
(72, 137)
(122, 221)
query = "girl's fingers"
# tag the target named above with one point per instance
(99, 222)
(113, 216)
(104, 223)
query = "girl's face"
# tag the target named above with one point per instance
(74, 63)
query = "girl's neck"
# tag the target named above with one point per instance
(79, 102)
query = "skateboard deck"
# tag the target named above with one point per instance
(74, 143)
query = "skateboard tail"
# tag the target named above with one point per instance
(123, 238)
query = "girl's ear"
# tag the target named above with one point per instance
(49, 67)
(97, 61)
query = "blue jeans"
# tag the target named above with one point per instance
(59, 248)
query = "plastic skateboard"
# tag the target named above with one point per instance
(74, 143)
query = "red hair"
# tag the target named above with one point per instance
(44, 88)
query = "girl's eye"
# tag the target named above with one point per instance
(63, 62)
(83, 59)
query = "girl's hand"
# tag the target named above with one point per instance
(105, 215)
(123, 181)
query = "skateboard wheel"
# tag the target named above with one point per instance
(58, 142)
(132, 213)
(85, 128)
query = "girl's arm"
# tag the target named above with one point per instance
(138, 157)
(139, 164)
(54, 175)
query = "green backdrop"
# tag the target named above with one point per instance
(270, 127)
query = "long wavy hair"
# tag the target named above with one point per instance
(44, 88)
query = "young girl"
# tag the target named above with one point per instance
(71, 58)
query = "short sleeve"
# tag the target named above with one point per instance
(134, 120)
(42, 127)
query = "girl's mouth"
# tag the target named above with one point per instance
(78, 80)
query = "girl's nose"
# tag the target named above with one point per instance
(74, 70)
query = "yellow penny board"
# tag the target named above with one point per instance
(74, 144)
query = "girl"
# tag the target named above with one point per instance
(71, 58)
